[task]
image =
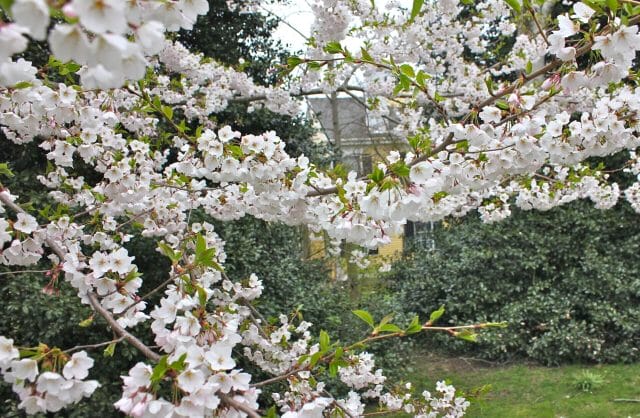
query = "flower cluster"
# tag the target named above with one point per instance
(474, 141)
(45, 391)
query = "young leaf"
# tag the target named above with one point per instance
(414, 326)
(110, 350)
(391, 328)
(435, 315)
(333, 48)
(515, 5)
(385, 320)
(22, 85)
(467, 335)
(333, 368)
(529, 67)
(407, 70)
(178, 365)
(415, 8)
(314, 358)
(271, 412)
(377, 175)
(338, 354)
(159, 370)
(422, 77)
(86, 322)
(365, 55)
(324, 341)
(5, 171)
(293, 62)
(365, 316)
(501, 104)
(202, 296)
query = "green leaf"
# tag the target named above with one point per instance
(414, 140)
(497, 324)
(86, 322)
(5, 171)
(365, 316)
(205, 256)
(422, 77)
(167, 111)
(414, 327)
(324, 341)
(593, 6)
(467, 335)
(174, 256)
(69, 68)
(407, 70)
(333, 48)
(385, 320)
(110, 350)
(529, 67)
(365, 55)
(271, 412)
(377, 175)
(390, 328)
(613, 5)
(404, 82)
(22, 85)
(314, 358)
(6, 6)
(400, 169)
(333, 368)
(501, 104)
(179, 364)
(25, 352)
(314, 65)
(202, 296)
(515, 5)
(201, 245)
(415, 8)
(159, 370)
(293, 62)
(435, 315)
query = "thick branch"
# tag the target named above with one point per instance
(119, 330)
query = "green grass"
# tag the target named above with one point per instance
(535, 391)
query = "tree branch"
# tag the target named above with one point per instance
(237, 405)
(113, 323)
(90, 346)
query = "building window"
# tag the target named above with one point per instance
(361, 164)
(420, 235)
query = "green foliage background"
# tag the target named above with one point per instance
(567, 281)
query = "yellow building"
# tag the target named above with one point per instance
(362, 140)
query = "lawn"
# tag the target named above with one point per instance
(534, 391)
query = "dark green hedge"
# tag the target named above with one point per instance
(567, 281)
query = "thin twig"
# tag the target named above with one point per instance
(150, 293)
(90, 346)
(6, 273)
(535, 19)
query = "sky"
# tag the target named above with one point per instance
(297, 14)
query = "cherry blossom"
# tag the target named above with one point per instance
(471, 140)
